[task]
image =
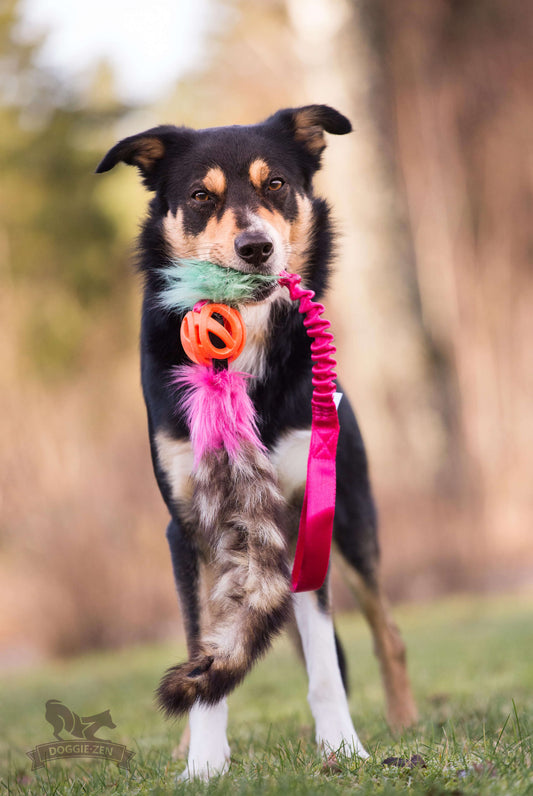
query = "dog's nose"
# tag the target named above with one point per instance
(254, 247)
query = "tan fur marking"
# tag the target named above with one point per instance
(215, 243)
(175, 236)
(215, 181)
(181, 751)
(176, 460)
(296, 234)
(389, 648)
(147, 150)
(300, 236)
(219, 238)
(308, 132)
(259, 172)
(280, 224)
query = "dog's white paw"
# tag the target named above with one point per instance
(349, 746)
(204, 769)
(334, 735)
(209, 752)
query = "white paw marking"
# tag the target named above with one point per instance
(327, 698)
(209, 752)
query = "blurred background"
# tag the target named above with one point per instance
(432, 303)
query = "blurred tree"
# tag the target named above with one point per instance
(460, 76)
(59, 243)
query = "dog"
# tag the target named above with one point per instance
(242, 197)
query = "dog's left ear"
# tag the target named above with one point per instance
(308, 124)
(147, 150)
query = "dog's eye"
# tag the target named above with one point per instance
(276, 184)
(201, 196)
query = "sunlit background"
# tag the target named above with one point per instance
(432, 303)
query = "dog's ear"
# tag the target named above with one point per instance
(308, 124)
(147, 150)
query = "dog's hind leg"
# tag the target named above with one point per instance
(327, 696)
(388, 646)
(355, 535)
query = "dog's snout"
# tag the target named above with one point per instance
(254, 247)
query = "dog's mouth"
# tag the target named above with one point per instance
(187, 282)
(262, 293)
(261, 284)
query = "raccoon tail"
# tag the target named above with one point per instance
(241, 513)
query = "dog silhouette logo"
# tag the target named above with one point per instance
(83, 730)
(63, 719)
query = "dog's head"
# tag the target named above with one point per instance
(240, 197)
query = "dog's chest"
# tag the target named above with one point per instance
(252, 360)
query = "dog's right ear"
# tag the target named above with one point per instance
(147, 150)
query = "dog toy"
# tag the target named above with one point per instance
(186, 282)
(219, 412)
(200, 326)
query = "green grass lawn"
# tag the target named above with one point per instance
(471, 663)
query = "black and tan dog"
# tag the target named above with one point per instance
(242, 197)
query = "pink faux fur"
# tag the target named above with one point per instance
(219, 411)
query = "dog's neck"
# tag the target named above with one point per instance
(256, 320)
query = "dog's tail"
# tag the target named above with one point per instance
(241, 516)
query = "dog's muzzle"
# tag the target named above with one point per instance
(255, 249)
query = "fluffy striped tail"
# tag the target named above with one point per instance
(241, 516)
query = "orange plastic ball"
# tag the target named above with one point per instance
(198, 325)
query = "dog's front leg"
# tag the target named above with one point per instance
(209, 751)
(327, 697)
(186, 567)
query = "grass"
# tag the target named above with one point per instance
(471, 662)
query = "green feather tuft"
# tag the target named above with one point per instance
(190, 281)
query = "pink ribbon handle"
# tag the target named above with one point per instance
(316, 522)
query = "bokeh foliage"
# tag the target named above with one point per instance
(59, 243)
